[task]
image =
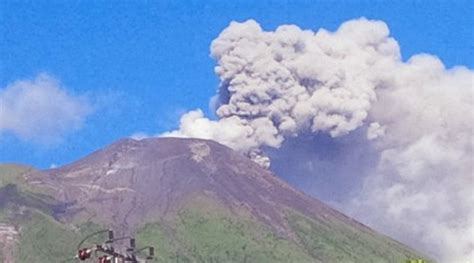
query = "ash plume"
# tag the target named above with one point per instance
(276, 86)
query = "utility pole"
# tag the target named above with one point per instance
(106, 253)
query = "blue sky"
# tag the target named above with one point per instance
(144, 63)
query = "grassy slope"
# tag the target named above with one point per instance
(57, 242)
(203, 233)
(42, 238)
(12, 174)
(334, 242)
(206, 234)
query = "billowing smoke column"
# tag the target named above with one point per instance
(417, 114)
(278, 84)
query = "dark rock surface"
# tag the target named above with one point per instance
(131, 181)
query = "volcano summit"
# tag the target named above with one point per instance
(193, 200)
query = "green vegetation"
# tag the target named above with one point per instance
(206, 233)
(225, 239)
(42, 238)
(10, 195)
(204, 237)
(12, 174)
(331, 241)
(154, 234)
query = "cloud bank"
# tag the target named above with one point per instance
(40, 110)
(417, 116)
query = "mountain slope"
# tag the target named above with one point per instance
(199, 201)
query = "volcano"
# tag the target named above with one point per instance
(193, 200)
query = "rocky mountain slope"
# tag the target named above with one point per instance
(194, 200)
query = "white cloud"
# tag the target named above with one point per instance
(421, 192)
(40, 110)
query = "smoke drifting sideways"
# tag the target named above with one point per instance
(412, 119)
